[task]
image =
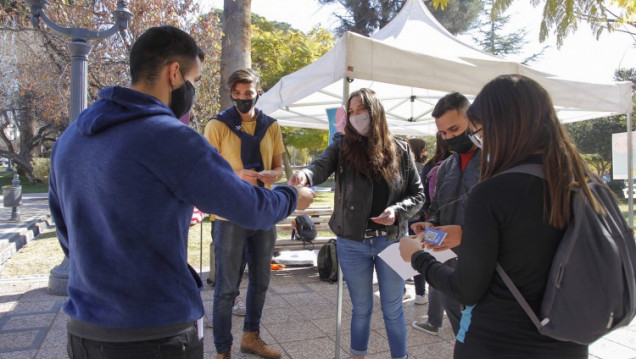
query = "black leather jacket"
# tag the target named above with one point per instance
(352, 202)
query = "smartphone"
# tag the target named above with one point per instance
(434, 236)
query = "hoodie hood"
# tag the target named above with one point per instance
(117, 105)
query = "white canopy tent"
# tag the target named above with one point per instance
(410, 64)
(413, 61)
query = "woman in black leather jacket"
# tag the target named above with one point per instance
(377, 190)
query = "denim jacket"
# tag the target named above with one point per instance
(353, 198)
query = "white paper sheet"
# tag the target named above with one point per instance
(391, 255)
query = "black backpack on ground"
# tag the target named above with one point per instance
(590, 289)
(303, 229)
(328, 262)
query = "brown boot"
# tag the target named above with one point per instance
(253, 344)
(226, 355)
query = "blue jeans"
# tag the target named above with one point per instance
(420, 284)
(229, 242)
(358, 261)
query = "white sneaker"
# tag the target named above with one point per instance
(239, 308)
(421, 299)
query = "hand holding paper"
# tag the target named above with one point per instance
(394, 255)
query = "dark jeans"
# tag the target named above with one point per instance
(183, 346)
(452, 307)
(212, 255)
(420, 284)
(230, 242)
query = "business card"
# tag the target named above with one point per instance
(434, 236)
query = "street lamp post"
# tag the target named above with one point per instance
(12, 134)
(79, 48)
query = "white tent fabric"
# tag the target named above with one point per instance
(410, 64)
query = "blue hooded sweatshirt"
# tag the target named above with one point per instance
(124, 179)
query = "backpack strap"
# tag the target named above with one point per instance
(534, 169)
(520, 299)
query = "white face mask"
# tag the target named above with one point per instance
(361, 123)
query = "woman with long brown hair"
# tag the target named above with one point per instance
(377, 190)
(515, 219)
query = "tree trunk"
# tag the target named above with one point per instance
(236, 45)
(287, 163)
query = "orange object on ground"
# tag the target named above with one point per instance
(277, 266)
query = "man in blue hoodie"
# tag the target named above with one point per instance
(124, 179)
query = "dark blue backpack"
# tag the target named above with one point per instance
(591, 285)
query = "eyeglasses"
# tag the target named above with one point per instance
(476, 139)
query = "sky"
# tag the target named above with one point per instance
(582, 57)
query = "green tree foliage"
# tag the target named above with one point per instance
(367, 16)
(279, 50)
(364, 16)
(594, 137)
(39, 106)
(458, 16)
(594, 140)
(563, 17)
(307, 138)
(490, 35)
(626, 75)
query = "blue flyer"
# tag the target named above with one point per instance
(434, 236)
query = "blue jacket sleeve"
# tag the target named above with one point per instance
(56, 214)
(213, 187)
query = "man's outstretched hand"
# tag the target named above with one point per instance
(305, 197)
(298, 178)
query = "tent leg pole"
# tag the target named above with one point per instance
(345, 97)
(345, 92)
(630, 177)
(339, 313)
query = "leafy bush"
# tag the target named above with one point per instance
(41, 168)
(617, 187)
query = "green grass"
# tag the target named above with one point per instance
(624, 207)
(41, 255)
(27, 187)
(323, 199)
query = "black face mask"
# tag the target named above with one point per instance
(181, 99)
(460, 144)
(244, 106)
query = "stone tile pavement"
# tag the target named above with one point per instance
(299, 316)
(299, 319)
